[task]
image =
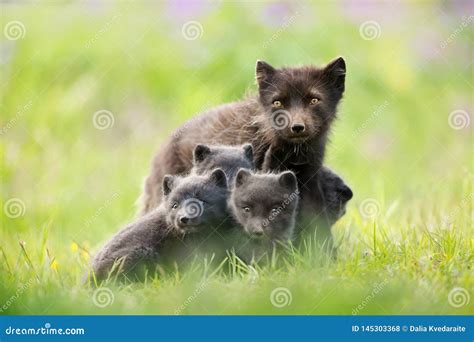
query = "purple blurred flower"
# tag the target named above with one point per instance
(460, 7)
(427, 44)
(187, 9)
(276, 14)
(387, 12)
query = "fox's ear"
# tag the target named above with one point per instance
(242, 176)
(263, 72)
(288, 180)
(248, 152)
(219, 178)
(201, 152)
(335, 71)
(168, 184)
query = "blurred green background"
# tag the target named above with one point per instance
(90, 89)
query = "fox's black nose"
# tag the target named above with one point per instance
(184, 219)
(345, 193)
(297, 128)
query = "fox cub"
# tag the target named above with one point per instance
(228, 158)
(191, 205)
(192, 209)
(265, 206)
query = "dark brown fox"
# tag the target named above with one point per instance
(292, 114)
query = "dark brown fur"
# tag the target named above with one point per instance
(252, 121)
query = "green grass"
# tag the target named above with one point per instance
(392, 143)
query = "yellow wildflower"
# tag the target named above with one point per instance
(54, 265)
(85, 255)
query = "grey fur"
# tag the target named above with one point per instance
(265, 206)
(228, 158)
(159, 235)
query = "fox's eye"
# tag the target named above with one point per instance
(274, 211)
(277, 104)
(314, 101)
(246, 209)
(174, 206)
